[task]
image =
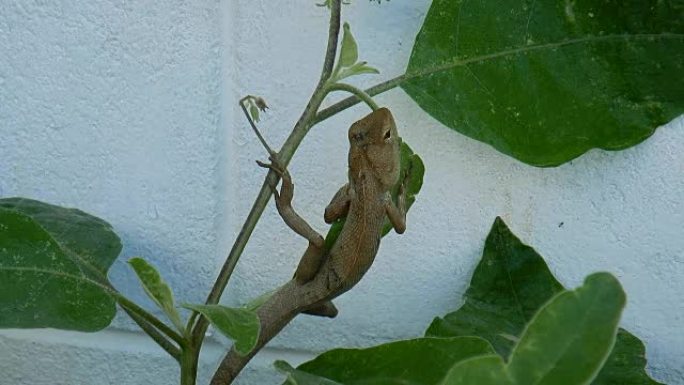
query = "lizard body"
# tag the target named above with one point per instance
(374, 168)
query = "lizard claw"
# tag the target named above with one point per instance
(270, 166)
(283, 199)
(274, 165)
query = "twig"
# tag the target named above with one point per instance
(254, 127)
(331, 49)
(131, 306)
(353, 100)
(359, 93)
(159, 338)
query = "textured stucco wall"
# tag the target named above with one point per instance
(127, 110)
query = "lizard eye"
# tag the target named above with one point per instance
(388, 134)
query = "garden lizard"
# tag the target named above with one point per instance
(374, 168)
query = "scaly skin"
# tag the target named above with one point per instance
(374, 166)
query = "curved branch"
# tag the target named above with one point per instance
(253, 125)
(131, 307)
(353, 100)
(359, 93)
(151, 331)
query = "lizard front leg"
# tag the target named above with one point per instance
(397, 215)
(339, 205)
(314, 254)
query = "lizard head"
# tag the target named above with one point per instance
(375, 149)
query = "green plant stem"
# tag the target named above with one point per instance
(188, 365)
(353, 100)
(284, 156)
(130, 306)
(159, 338)
(359, 93)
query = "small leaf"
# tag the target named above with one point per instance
(357, 69)
(254, 111)
(565, 343)
(364, 69)
(349, 53)
(412, 172)
(240, 325)
(53, 267)
(419, 361)
(157, 289)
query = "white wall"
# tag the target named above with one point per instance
(128, 110)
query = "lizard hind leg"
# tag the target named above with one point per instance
(283, 202)
(313, 256)
(310, 263)
(322, 309)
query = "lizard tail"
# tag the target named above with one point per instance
(290, 300)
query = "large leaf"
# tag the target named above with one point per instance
(419, 361)
(412, 171)
(239, 324)
(546, 80)
(509, 285)
(157, 289)
(53, 267)
(565, 343)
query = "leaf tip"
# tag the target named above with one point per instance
(283, 366)
(136, 261)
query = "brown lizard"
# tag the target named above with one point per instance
(374, 168)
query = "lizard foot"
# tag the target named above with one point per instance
(322, 309)
(273, 165)
(284, 198)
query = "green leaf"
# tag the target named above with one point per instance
(238, 324)
(349, 53)
(565, 343)
(157, 289)
(53, 267)
(254, 111)
(545, 81)
(298, 377)
(483, 370)
(626, 363)
(412, 171)
(363, 68)
(419, 361)
(357, 69)
(509, 285)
